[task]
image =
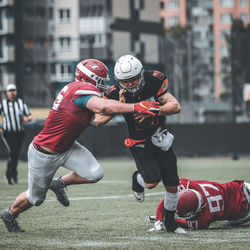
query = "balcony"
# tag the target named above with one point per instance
(8, 54)
(7, 26)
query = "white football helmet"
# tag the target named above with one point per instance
(128, 68)
(190, 203)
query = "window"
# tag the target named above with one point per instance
(40, 12)
(64, 71)
(1, 47)
(173, 21)
(1, 19)
(92, 10)
(227, 3)
(64, 16)
(243, 3)
(224, 33)
(97, 40)
(51, 12)
(162, 5)
(173, 5)
(224, 51)
(243, 17)
(226, 18)
(64, 43)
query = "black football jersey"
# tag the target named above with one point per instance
(156, 84)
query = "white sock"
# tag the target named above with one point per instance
(170, 201)
(140, 180)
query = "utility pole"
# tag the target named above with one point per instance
(233, 93)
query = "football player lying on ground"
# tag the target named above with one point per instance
(203, 202)
(56, 145)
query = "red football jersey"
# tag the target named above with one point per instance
(66, 121)
(224, 201)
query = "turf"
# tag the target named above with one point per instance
(106, 216)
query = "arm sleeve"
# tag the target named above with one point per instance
(82, 101)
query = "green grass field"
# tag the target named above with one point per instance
(106, 216)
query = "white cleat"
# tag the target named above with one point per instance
(139, 196)
(180, 230)
(158, 226)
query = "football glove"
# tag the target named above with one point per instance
(145, 107)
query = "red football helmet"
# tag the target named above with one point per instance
(190, 203)
(94, 72)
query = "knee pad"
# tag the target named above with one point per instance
(97, 174)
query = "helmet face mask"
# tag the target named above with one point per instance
(94, 72)
(190, 204)
(127, 69)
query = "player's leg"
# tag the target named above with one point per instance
(41, 171)
(85, 167)
(10, 139)
(246, 217)
(18, 145)
(147, 175)
(168, 168)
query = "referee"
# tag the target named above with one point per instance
(14, 113)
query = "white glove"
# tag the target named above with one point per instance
(162, 139)
(158, 226)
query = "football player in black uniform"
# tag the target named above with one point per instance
(149, 141)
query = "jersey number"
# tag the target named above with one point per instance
(59, 98)
(215, 203)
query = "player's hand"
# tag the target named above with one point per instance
(1, 130)
(145, 107)
(122, 95)
(140, 118)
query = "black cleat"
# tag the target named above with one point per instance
(58, 187)
(138, 190)
(10, 221)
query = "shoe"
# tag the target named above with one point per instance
(8, 180)
(14, 180)
(158, 226)
(10, 221)
(59, 187)
(138, 190)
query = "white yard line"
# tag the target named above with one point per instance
(10, 198)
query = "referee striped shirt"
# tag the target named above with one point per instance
(12, 113)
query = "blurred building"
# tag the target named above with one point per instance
(41, 41)
(209, 21)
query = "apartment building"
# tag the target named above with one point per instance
(210, 21)
(41, 41)
(224, 12)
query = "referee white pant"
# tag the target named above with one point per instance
(42, 168)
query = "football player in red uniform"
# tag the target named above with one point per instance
(149, 141)
(56, 144)
(203, 202)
